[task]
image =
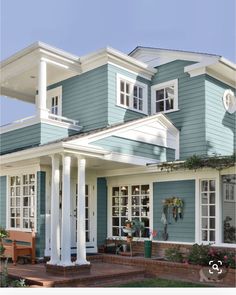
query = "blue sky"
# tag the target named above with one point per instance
(83, 26)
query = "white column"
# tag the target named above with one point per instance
(81, 236)
(66, 222)
(42, 89)
(55, 228)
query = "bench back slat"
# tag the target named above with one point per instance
(20, 236)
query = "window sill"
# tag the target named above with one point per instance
(167, 112)
(130, 109)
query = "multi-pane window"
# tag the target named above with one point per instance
(54, 100)
(22, 201)
(129, 203)
(208, 209)
(165, 97)
(131, 94)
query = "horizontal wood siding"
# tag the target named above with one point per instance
(184, 229)
(191, 115)
(51, 133)
(84, 98)
(135, 148)
(220, 125)
(101, 211)
(3, 200)
(20, 138)
(118, 114)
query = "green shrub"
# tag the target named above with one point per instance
(198, 254)
(174, 254)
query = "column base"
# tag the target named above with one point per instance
(61, 270)
(82, 262)
(51, 262)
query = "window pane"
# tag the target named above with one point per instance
(13, 181)
(115, 221)
(124, 211)
(124, 190)
(135, 103)
(145, 189)
(135, 190)
(212, 236)
(204, 223)
(25, 179)
(115, 211)
(17, 180)
(204, 235)
(135, 91)
(159, 94)
(204, 198)
(170, 92)
(135, 200)
(26, 202)
(122, 100)
(122, 86)
(160, 106)
(127, 100)
(115, 191)
(140, 105)
(212, 210)
(140, 92)
(115, 201)
(127, 87)
(124, 201)
(204, 211)
(145, 221)
(212, 185)
(212, 198)
(25, 190)
(212, 222)
(115, 231)
(204, 185)
(145, 200)
(135, 211)
(169, 104)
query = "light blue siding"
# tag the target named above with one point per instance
(41, 211)
(3, 200)
(136, 148)
(220, 125)
(184, 229)
(118, 114)
(191, 115)
(84, 98)
(32, 136)
(20, 139)
(101, 211)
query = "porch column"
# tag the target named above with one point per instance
(55, 229)
(81, 234)
(42, 89)
(66, 226)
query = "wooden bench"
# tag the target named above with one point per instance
(18, 244)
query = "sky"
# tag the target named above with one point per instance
(84, 26)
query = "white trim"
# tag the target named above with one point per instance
(163, 85)
(25, 122)
(230, 106)
(133, 83)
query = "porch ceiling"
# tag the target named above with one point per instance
(19, 73)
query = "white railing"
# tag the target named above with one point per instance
(49, 118)
(63, 119)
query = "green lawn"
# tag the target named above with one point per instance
(162, 283)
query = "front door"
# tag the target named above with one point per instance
(89, 213)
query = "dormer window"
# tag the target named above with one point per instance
(229, 101)
(131, 94)
(165, 97)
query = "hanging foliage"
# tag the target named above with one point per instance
(175, 206)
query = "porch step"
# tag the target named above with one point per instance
(110, 280)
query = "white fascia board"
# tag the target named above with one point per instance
(106, 55)
(228, 63)
(39, 45)
(206, 62)
(126, 126)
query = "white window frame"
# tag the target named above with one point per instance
(224, 194)
(109, 207)
(8, 207)
(53, 93)
(208, 215)
(164, 85)
(132, 83)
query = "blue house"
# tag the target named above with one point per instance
(107, 129)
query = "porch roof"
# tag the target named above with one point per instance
(166, 136)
